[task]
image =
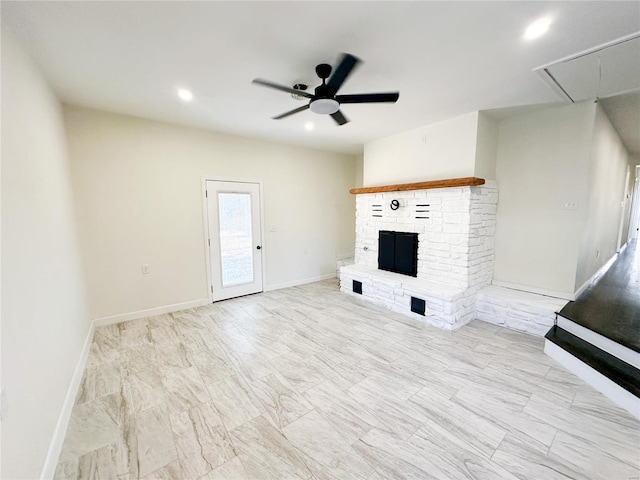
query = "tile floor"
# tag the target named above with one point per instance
(310, 383)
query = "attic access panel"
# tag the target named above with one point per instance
(602, 71)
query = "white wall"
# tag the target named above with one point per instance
(44, 316)
(608, 168)
(434, 152)
(542, 164)
(138, 195)
(486, 147)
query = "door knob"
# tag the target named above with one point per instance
(258, 247)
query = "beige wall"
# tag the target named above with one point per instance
(542, 164)
(434, 152)
(605, 208)
(44, 316)
(486, 147)
(138, 194)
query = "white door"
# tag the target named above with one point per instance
(235, 241)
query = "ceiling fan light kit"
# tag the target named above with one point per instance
(325, 100)
(324, 106)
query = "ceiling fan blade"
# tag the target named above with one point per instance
(390, 97)
(277, 86)
(342, 71)
(339, 118)
(286, 114)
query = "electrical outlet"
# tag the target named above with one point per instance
(145, 269)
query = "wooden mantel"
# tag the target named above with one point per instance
(451, 182)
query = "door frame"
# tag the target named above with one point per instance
(205, 223)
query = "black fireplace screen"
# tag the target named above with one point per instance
(398, 252)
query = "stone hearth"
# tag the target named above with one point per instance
(455, 228)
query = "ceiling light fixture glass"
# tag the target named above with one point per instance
(537, 28)
(185, 94)
(325, 106)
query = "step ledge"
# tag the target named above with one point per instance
(603, 343)
(614, 392)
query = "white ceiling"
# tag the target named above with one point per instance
(445, 58)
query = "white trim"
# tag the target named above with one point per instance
(608, 388)
(302, 281)
(207, 253)
(57, 440)
(603, 343)
(594, 278)
(530, 289)
(150, 312)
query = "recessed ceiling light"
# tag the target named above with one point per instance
(537, 28)
(308, 126)
(185, 94)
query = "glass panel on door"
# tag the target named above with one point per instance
(236, 240)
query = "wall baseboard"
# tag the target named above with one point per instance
(539, 291)
(295, 283)
(601, 271)
(150, 312)
(55, 447)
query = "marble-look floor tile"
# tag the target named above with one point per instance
(526, 462)
(613, 438)
(134, 333)
(281, 404)
(310, 383)
(593, 403)
(164, 334)
(328, 454)
(67, 470)
(202, 441)
(90, 428)
(265, 451)
(99, 381)
(504, 410)
(99, 464)
(588, 457)
(396, 416)
(188, 320)
(102, 351)
(450, 455)
(172, 358)
(171, 471)
(299, 372)
(231, 470)
(342, 373)
(476, 431)
(162, 320)
(394, 461)
(150, 441)
(235, 401)
(185, 389)
(142, 389)
(351, 419)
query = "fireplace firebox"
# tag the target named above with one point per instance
(398, 252)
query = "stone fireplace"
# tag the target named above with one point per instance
(453, 222)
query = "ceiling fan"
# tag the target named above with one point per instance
(325, 100)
